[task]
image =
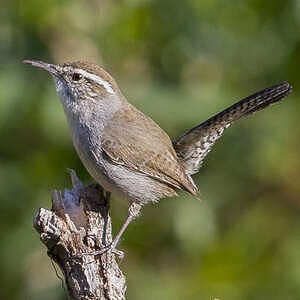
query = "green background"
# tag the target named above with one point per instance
(179, 62)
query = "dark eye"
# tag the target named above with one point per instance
(76, 76)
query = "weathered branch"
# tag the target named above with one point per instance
(79, 223)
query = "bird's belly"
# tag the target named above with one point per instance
(135, 186)
(125, 183)
(119, 180)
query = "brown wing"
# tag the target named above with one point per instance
(135, 141)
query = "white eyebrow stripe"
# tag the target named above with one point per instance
(96, 79)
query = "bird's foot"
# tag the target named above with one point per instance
(109, 248)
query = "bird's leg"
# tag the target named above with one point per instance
(133, 212)
(107, 200)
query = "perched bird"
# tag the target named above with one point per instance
(127, 152)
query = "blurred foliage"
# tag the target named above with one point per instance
(179, 62)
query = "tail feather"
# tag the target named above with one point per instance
(193, 146)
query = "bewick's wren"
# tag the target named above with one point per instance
(127, 152)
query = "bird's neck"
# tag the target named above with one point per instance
(90, 114)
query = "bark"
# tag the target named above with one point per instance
(78, 224)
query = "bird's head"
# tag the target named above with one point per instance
(80, 81)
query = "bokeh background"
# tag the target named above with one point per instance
(179, 62)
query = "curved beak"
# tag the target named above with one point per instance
(52, 69)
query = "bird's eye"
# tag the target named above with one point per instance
(76, 76)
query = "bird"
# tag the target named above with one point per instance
(125, 151)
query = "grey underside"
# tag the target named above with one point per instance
(125, 183)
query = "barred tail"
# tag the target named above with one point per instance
(193, 146)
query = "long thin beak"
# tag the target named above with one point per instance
(43, 65)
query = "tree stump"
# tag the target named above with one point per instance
(77, 225)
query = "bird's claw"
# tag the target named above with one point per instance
(104, 250)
